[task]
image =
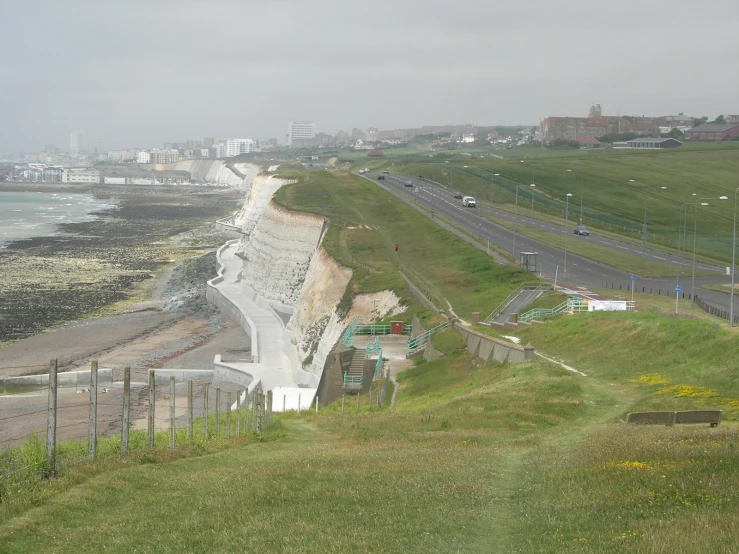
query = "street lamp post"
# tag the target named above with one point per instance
(567, 228)
(695, 228)
(582, 182)
(492, 187)
(644, 225)
(533, 186)
(681, 232)
(733, 267)
(515, 224)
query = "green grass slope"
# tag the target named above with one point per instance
(475, 456)
(610, 200)
(366, 222)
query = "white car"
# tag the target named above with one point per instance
(468, 202)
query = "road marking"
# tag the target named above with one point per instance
(660, 258)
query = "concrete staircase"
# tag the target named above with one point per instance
(355, 375)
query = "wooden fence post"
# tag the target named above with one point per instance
(284, 402)
(218, 412)
(51, 421)
(125, 421)
(189, 409)
(205, 411)
(171, 411)
(299, 403)
(238, 413)
(259, 414)
(152, 404)
(228, 416)
(358, 394)
(93, 422)
(316, 401)
(269, 408)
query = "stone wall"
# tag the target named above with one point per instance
(490, 348)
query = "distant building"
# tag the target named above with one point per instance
(589, 142)
(300, 130)
(653, 143)
(208, 142)
(76, 142)
(143, 157)
(713, 131)
(732, 119)
(597, 125)
(234, 147)
(219, 150)
(202, 153)
(121, 155)
(53, 174)
(168, 156)
(80, 175)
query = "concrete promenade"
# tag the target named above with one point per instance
(272, 366)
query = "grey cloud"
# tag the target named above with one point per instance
(139, 73)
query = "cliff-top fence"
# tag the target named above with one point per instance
(50, 427)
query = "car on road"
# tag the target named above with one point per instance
(469, 202)
(380, 177)
(386, 172)
(458, 195)
(407, 183)
(582, 231)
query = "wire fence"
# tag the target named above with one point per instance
(49, 427)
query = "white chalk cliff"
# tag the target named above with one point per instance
(286, 270)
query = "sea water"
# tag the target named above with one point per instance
(37, 214)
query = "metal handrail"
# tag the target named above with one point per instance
(573, 303)
(353, 381)
(346, 338)
(511, 297)
(416, 343)
(372, 348)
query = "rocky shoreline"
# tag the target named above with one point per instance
(46, 281)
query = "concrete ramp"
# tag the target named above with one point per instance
(518, 303)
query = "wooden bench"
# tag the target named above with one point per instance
(651, 418)
(712, 417)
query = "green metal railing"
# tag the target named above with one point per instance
(378, 329)
(572, 304)
(353, 381)
(378, 365)
(417, 343)
(347, 337)
(511, 297)
(372, 348)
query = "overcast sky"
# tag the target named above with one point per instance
(138, 73)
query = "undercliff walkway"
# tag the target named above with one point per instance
(272, 366)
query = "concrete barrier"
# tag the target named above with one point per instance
(161, 376)
(214, 295)
(490, 348)
(65, 379)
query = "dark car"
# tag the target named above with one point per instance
(582, 231)
(408, 183)
(458, 195)
(380, 177)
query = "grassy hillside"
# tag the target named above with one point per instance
(367, 222)
(475, 457)
(610, 200)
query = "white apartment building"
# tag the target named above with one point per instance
(168, 156)
(80, 175)
(300, 130)
(234, 147)
(121, 155)
(143, 157)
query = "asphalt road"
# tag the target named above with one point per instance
(551, 261)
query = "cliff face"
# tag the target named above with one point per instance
(215, 171)
(277, 252)
(285, 268)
